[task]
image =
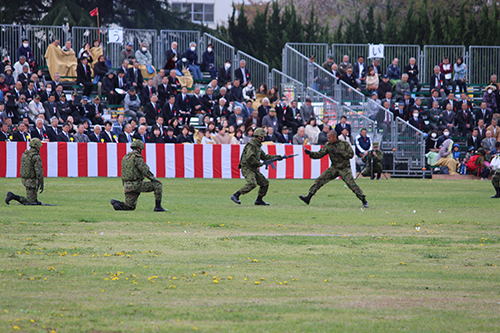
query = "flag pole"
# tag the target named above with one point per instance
(98, 29)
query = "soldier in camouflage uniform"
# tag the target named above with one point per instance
(340, 153)
(250, 164)
(495, 180)
(134, 170)
(377, 156)
(31, 174)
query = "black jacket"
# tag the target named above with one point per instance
(81, 76)
(139, 79)
(151, 112)
(239, 75)
(223, 76)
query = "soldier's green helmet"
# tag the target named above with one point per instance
(35, 143)
(259, 132)
(137, 144)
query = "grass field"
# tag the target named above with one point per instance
(424, 257)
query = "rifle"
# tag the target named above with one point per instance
(279, 158)
(38, 203)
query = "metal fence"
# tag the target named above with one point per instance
(319, 50)
(222, 51)
(259, 70)
(287, 85)
(385, 123)
(295, 64)
(323, 80)
(409, 154)
(82, 35)
(483, 61)
(40, 36)
(350, 96)
(10, 41)
(323, 105)
(183, 38)
(137, 37)
(434, 54)
(358, 122)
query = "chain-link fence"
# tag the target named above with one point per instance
(318, 50)
(182, 38)
(259, 71)
(10, 41)
(287, 85)
(409, 154)
(483, 62)
(434, 54)
(40, 36)
(223, 51)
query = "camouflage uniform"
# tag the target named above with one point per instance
(340, 154)
(495, 180)
(31, 174)
(134, 170)
(250, 164)
(377, 164)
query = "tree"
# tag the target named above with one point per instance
(339, 36)
(391, 26)
(436, 37)
(484, 27)
(369, 25)
(469, 37)
(379, 32)
(408, 31)
(423, 30)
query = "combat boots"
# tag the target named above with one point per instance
(117, 205)
(260, 202)
(365, 203)
(159, 208)
(236, 198)
(495, 196)
(11, 196)
(306, 199)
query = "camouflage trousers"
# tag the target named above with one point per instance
(31, 196)
(332, 173)
(254, 178)
(134, 188)
(495, 180)
(377, 168)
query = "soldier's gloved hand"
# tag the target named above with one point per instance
(307, 151)
(281, 158)
(41, 188)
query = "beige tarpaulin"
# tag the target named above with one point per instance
(95, 52)
(61, 62)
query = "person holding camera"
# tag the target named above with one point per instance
(373, 163)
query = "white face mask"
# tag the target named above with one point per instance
(25, 44)
(192, 48)
(433, 135)
(209, 49)
(490, 91)
(227, 66)
(175, 59)
(144, 49)
(48, 90)
(415, 115)
(229, 86)
(446, 133)
(239, 121)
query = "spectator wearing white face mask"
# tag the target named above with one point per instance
(224, 74)
(208, 61)
(192, 61)
(249, 92)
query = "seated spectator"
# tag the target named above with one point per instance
(249, 92)
(135, 76)
(237, 93)
(94, 136)
(494, 129)
(242, 74)
(285, 136)
(143, 56)
(100, 69)
(490, 99)
(147, 91)
(307, 111)
(141, 134)
(52, 130)
(21, 134)
(271, 135)
(64, 135)
(164, 91)
(431, 142)
(207, 139)
(474, 140)
(185, 137)
(173, 64)
(402, 86)
(235, 118)
(384, 87)
(322, 137)
(344, 65)
(63, 109)
(109, 83)
(175, 125)
(35, 108)
(270, 120)
(372, 81)
(417, 122)
(126, 135)
(254, 120)
(157, 80)
(9, 79)
(237, 139)
(184, 106)
(85, 52)
(438, 82)
(445, 158)
(465, 120)
(335, 72)
(435, 116)
(460, 77)
(376, 67)
(359, 71)
(394, 72)
(106, 135)
(80, 135)
(447, 69)
(24, 76)
(488, 143)
(343, 124)
(301, 138)
(348, 78)
(192, 61)
(484, 113)
(224, 74)
(373, 105)
(45, 93)
(420, 108)
(476, 165)
(327, 65)
(173, 83)
(127, 53)
(222, 138)
(412, 70)
(312, 131)
(132, 104)
(30, 91)
(262, 90)
(156, 136)
(481, 128)
(273, 95)
(84, 76)
(117, 127)
(363, 143)
(169, 109)
(208, 61)
(39, 131)
(152, 109)
(18, 67)
(96, 112)
(67, 46)
(247, 136)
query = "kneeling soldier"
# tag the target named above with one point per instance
(250, 164)
(134, 170)
(340, 153)
(376, 159)
(31, 174)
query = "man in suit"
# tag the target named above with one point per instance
(184, 106)
(141, 134)
(21, 135)
(152, 109)
(465, 120)
(50, 107)
(84, 76)
(24, 76)
(109, 83)
(264, 108)
(107, 135)
(402, 86)
(437, 81)
(359, 71)
(481, 129)
(135, 76)
(196, 107)
(242, 74)
(224, 74)
(286, 115)
(335, 72)
(474, 140)
(169, 109)
(322, 137)
(307, 111)
(449, 121)
(39, 130)
(253, 120)
(417, 122)
(80, 135)
(349, 79)
(30, 91)
(488, 143)
(4, 132)
(147, 91)
(96, 112)
(301, 136)
(173, 83)
(344, 65)
(456, 105)
(164, 91)
(412, 70)
(52, 130)
(343, 124)
(434, 98)
(94, 137)
(64, 136)
(485, 114)
(208, 102)
(126, 135)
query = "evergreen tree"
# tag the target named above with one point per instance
(379, 32)
(311, 27)
(339, 35)
(274, 42)
(391, 26)
(469, 37)
(408, 31)
(258, 37)
(243, 29)
(484, 27)
(436, 37)
(424, 30)
(369, 25)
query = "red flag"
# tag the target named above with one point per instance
(94, 12)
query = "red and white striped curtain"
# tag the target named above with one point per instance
(67, 159)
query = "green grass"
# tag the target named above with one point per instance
(330, 266)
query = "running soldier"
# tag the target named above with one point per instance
(340, 153)
(134, 170)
